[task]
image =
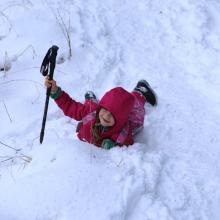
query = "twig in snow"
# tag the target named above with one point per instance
(21, 80)
(7, 64)
(118, 165)
(20, 54)
(14, 4)
(16, 150)
(8, 20)
(6, 109)
(8, 61)
(65, 28)
(5, 160)
(20, 156)
(10, 5)
(26, 159)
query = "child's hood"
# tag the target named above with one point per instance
(120, 103)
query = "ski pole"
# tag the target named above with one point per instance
(48, 65)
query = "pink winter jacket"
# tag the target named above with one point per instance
(118, 101)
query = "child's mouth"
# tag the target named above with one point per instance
(106, 121)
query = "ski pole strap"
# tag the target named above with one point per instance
(45, 64)
(49, 61)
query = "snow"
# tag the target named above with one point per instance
(172, 170)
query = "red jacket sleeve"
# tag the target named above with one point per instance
(73, 109)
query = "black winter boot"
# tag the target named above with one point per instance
(144, 88)
(90, 96)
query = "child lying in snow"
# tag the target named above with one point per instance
(112, 121)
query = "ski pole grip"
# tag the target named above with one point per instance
(52, 60)
(49, 62)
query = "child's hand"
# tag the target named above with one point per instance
(51, 84)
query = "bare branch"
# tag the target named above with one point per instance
(17, 156)
(65, 29)
(8, 61)
(6, 109)
(7, 64)
(15, 4)
(22, 80)
(6, 145)
(20, 54)
(7, 19)
(25, 158)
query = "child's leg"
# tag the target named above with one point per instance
(136, 116)
(90, 96)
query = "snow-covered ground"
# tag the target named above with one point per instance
(172, 172)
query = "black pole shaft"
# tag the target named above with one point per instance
(49, 63)
(45, 115)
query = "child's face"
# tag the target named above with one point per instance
(106, 118)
